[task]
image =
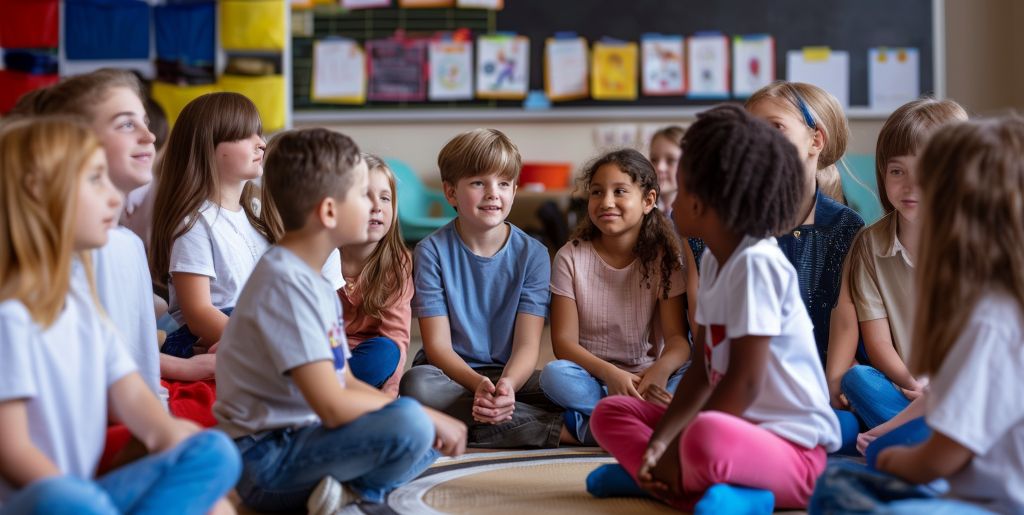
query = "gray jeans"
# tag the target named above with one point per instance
(536, 421)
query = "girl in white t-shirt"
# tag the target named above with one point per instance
(968, 336)
(620, 273)
(753, 408)
(63, 365)
(207, 236)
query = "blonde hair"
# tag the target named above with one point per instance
(41, 160)
(187, 171)
(671, 133)
(907, 130)
(78, 94)
(828, 116)
(389, 266)
(972, 230)
(479, 152)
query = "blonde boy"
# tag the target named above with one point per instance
(481, 299)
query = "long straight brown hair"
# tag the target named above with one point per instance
(188, 174)
(389, 266)
(972, 230)
(41, 161)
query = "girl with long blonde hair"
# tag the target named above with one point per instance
(63, 365)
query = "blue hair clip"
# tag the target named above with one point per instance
(805, 111)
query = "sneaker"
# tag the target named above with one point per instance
(578, 426)
(329, 497)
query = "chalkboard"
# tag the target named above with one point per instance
(850, 25)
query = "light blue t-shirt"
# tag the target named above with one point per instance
(481, 296)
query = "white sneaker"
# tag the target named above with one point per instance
(329, 497)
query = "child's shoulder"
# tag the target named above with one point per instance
(518, 239)
(830, 213)
(14, 313)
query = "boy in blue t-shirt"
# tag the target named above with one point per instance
(481, 299)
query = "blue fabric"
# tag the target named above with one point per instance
(611, 480)
(374, 360)
(735, 500)
(187, 479)
(848, 487)
(873, 398)
(572, 387)
(912, 433)
(373, 454)
(106, 29)
(849, 428)
(817, 252)
(481, 296)
(180, 343)
(185, 32)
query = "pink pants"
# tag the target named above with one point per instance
(714, 448)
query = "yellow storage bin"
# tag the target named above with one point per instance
(267, 92)
(173, 98)
(252, 24)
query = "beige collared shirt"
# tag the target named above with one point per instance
(881, 280)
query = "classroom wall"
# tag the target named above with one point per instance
(982, 72)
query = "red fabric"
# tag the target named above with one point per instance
(192, 400)
(14, 84)
(118, 437)
(28, 24)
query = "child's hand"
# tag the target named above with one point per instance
(490, 406)
(888, 457)
(651, 377)
(864, 440)
(621, 382)
(655, 394)
(836, 398)
(913, 392)
(173, 433)
(200, 347)
(199, 367)
(450, 439)
(645, 476)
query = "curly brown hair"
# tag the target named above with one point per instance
(657, 237)
(747, 171)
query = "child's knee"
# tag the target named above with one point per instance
(706, 442)
(552, 375)
(857, 378)
(217, 453)
(610, 411)
(406, 418)
(416, 383)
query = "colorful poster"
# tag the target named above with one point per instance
(406, 4)
(828, 69)
(398, 69)
(664, 72)
(339, 72)
(753, 63)
(707, 57)
(493, 5)
(894, 77)
(615, 71)
(365, 4)
(502, 66)
(565, 68)
(451, 70)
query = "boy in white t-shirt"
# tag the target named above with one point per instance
(285, 392)
(753, 409)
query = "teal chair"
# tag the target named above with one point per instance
(421, 210)
(858, 173)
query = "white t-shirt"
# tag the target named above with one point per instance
(225, 247)
(63, 373)
(975, 400)
(125, 289)
(287, 316)
(756, 293)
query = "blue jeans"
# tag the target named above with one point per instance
(848, 487)
(373, 454)
(873, 397)
(187, 479)
(180, 342)
(912, 433)
(375, 360)
(572, 387)
(849, 429)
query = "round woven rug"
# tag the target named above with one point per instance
(513, 483)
